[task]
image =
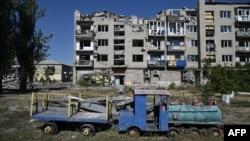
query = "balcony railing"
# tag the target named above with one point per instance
(243, 49)
(176, 48)
(243, 34)
(156, 63)
(243, 18)
(87, 33)
(176, 63)
(87, 63)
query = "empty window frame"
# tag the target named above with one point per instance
(226, 43)
(119, 41)
(225, 14)
(243, 12)
(191, 28)
(138, 43)
(102, 57)
(137, 58)
(84, 43)
(103, 28)
(244, 58)
(102, 42)
(227, 58)
(243, 43)
(192, 58)
(84, 57)
(194, 43)
(226, 28)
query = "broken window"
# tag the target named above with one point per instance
(138, 43)
(137, 58)
(103, 28)
(103, 42)
(102, 57)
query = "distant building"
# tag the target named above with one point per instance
(162, 50)
(62, 72)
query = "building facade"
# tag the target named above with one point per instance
(61, 72)
(163, 50)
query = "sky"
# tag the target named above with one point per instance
(59, 18)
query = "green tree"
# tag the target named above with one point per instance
(31, 45)
(7, 34)
(221, 79)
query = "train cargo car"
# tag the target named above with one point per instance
(195, 119)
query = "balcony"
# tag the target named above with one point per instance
(85, 63)
(156, 63)
(243, 33)
(177, 48)
(209, 33)
(243, 18)
(242, 49)
(84, 33)
(176, 63)
(210, 49)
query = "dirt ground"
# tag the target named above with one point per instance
(15, 125)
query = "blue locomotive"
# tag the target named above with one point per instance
(168, 119)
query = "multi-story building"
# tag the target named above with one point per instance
(162, 50)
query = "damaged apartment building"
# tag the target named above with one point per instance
(163, 50)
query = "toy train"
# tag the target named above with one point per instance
(159, 116)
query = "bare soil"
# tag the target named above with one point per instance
(15, 125)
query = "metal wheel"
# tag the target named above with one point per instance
(214, 131)
(50, 128)
(182, 130)
(194, 131)
(172, 132)
(133, 132)
(88, 130)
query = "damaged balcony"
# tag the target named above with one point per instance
(156, 28)
(119, 61)
(85, 29)
(156, 63)
(242, 15)
(85, 45)
(156, 45)
(84, 63)
(171, 47)
(176, 63)
(176, 28)
(243, 49)
(210, 31)
(210, 47)
(156, 59)
(243, 33)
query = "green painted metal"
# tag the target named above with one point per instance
(194, 114)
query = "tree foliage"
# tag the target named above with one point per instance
(31, 44)
(20, 39)
(7, 35)
(224, 79)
